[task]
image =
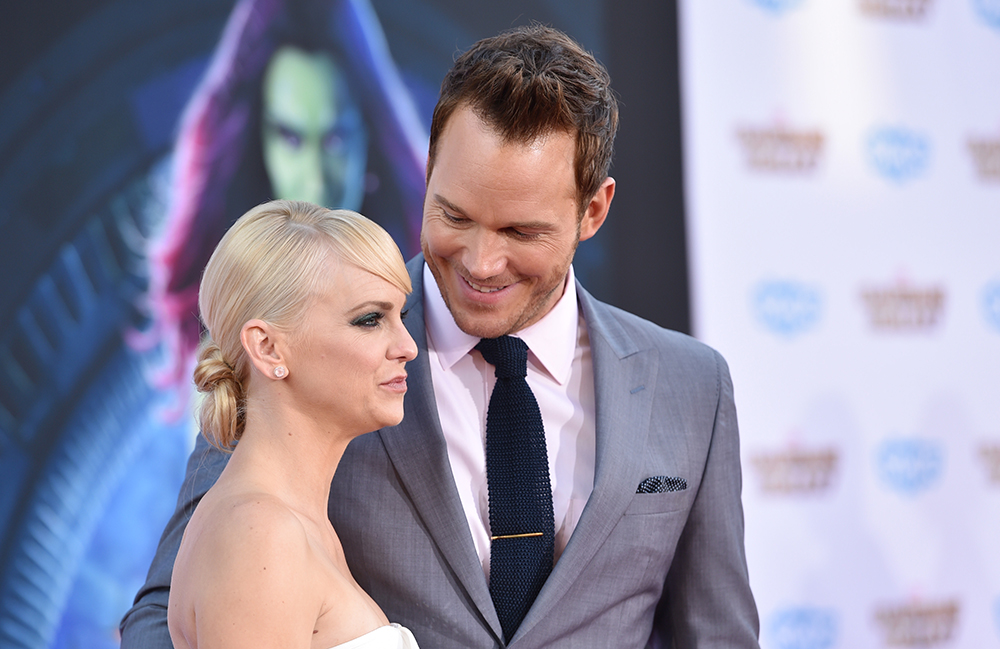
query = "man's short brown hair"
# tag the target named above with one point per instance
(528, 82)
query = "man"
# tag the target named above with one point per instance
(645, 525)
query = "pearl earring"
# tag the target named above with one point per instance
(280, 372)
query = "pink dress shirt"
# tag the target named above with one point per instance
(561, 375)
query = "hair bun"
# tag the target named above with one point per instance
(222, 415)
(212, 369)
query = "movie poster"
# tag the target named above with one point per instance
(132, 135)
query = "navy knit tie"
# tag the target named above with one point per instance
(517, 474)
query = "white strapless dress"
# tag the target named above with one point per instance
(392, 636)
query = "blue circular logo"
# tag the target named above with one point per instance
(898, 154)
(777, 6)
(803, 628)
(785, 307)
(991, 304)
(910, 465)
(989, 11)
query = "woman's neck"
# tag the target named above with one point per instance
(291, 455)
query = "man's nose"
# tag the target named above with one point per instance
(485, 254)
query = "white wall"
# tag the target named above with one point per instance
(843, 200)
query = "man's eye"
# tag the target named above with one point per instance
(453, 218)
(369, 320)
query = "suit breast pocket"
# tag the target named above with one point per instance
(645, 537)
(661, 503)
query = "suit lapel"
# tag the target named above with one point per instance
(419, 454)
(625, 378)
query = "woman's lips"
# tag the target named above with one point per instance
(397, 384)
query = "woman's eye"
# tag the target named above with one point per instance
(368, 320)
(290, 137)
(333, 141)
(403, 314)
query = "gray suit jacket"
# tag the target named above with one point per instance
(661, 569)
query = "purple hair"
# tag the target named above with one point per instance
(218, 170)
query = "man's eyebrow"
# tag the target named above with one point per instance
(438, 198)
(527, 225)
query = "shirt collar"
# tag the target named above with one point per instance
(547, 339)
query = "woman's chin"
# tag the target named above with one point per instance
(389, 420)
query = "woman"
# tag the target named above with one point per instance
(305, 351)
(285, 73)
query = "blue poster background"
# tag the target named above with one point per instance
(92, 446)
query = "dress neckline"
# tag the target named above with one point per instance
(362, 640)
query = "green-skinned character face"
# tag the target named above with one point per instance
(314, 137)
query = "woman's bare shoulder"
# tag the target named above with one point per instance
(251, 530)
(248, 573)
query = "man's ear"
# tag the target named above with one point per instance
(262, 343)
(597, 209)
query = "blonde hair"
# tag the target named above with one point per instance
(266, 267)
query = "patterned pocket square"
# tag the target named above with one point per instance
(659, 484)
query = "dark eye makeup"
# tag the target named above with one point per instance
(372, 319)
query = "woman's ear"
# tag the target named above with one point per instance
(263, 344)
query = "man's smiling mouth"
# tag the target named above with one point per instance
(484, 289)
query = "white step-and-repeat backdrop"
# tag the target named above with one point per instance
(842, 162)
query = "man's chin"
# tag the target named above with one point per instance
(482, 325)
